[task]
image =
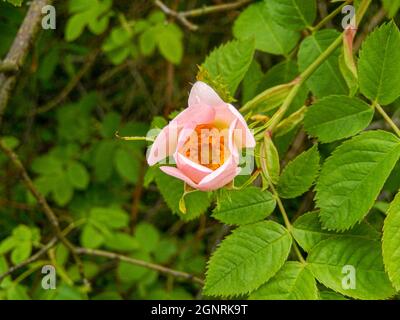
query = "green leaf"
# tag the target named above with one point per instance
(378, 64)
(121, 242)
(293, 14)
(127, 165)
(230, 61)
(63, 190)
(147, 236)
(283, 72)
(113, 218)
(250, 81)
(353, 176)
(103, 157)
(329, 257)
(291, 123)
(244, 206)
(17, 292)
(75, 6)
(16, 3)
(299, 175)
(337, 117)
(99, 16)
(172, 190)
(391, 242)
(165, 249)
(47, 165)
(118, 45)
(10, 142)
(93, 13)
(22, 233)
(6, 282)
(21, 252)
(129, 273)
(169, 41)
(391, 7)
(148, 41)
(7, 244)
(110, 124)
(293, 282)
(308, 231)
(78, 175)
(247, 258)
(327, 79)
(156, 16)
(75, 26)
(91, 237)
(256, 22)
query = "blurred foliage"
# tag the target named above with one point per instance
(125, 66)
(76, 161)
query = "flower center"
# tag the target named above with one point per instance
(206, 146)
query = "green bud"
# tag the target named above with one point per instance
(291, 122)
(269, 99)
(269, 159)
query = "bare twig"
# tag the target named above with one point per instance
(177, 15)
(8, 66)
(19, 49)
(216, 8)
(141, 263)
(183, 15)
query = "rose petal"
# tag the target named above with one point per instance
(166, 141)
(194, 171)
(202, 94)
(228, 113)
(220, 177)
(228, 171)
(191, 169)
(175, 172)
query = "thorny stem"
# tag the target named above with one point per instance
(312, 68)
(289, 99)
(277, 117)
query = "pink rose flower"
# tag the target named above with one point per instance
(204, 141)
